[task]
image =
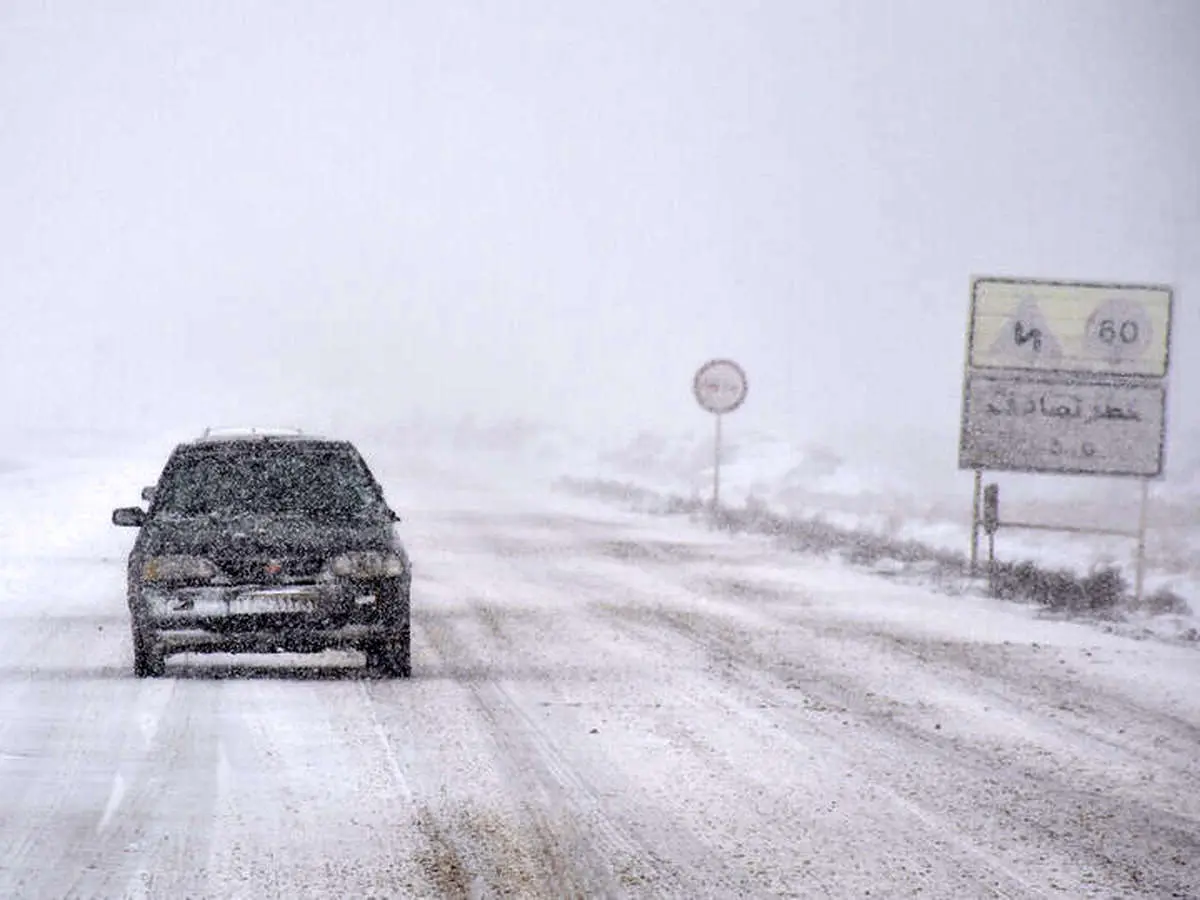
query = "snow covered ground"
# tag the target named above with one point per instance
(903, 487)
(605, 703)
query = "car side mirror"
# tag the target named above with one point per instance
(129, 516)
(148, 493)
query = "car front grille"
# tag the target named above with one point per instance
(272, 569)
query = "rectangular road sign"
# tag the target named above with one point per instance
(1068, 424)
(1061, 326)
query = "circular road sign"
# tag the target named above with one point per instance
(1119, 331)
(720, 386)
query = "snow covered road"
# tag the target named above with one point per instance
(603, 704)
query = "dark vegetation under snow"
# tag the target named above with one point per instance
(1103, 591)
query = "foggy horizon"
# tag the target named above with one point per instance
(369, 213)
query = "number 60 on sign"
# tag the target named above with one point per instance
(1060, 326)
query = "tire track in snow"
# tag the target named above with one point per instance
(1034, 825)
(1052, 693)
(571, 864)
(311, 802)
(838, 689)
(767, 712)
(634, 576)
(558, 568)
(1031, 803)
(589, 853)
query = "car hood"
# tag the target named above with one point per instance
(221, 537)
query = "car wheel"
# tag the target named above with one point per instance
(149, 659)
(391, 658)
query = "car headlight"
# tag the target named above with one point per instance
(178, 568)
(367, 564)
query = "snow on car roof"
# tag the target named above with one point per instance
(242, 433)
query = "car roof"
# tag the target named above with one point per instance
(223, 441)
(255, 433)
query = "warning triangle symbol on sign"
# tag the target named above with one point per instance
(1026, 337)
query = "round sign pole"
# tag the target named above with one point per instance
(716, 501)
(720, 388)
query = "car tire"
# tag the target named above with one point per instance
(149, 659)
(391, 658)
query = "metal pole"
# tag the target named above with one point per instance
(975, 504)
(717, 466)
(1140, 579)
(992, 563)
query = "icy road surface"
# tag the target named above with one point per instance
(603, 705)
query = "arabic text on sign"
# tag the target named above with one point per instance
(1059, 406)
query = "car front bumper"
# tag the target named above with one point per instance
(298, 639)
(281, 617)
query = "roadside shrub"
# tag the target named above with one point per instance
(1104, 589)
(1164, 602)
(1013, 581)
(1059, 589)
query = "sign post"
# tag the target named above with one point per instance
(976, 508)
(1066, 378)
(1140, 577)
(716, 500)
(719, 387)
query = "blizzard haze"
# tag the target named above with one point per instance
(490, 243)
(322, 212)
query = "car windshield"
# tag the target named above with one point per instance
(321, 484)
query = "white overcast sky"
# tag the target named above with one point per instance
(283, 212)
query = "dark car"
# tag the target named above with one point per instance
(262, 542)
